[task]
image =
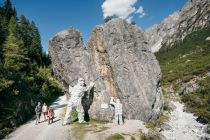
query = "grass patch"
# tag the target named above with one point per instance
(148, 137)
(115, 137)
(166, 106)
(187, 60)
(101, 129)
(79, 130)
(132, 138)
(154, 124)
(198, 102)
(74, 115)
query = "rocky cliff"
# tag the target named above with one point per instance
(193, 16)
(117, 59)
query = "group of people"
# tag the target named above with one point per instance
(47, 112)
(77, 93)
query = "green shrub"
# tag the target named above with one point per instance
(148, 137)
(186, 59)
(183, 62)
(198, 102)
(115, 137)
(157, 123)
(108, 18)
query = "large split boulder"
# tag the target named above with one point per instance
(118, 60)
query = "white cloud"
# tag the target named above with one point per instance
(119, 8)
(142, 15)
(124, 9)
(140, 11)
(129, 19)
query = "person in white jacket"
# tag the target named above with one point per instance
(118, 111)
(44, 111)
(75, 100)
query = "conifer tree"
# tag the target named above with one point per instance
(3, 29)
(35, 50)
(8, 10)
(25, 31)
(2, 38)
(15, 55)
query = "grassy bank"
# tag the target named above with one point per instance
(189, 60)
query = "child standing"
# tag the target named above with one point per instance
(50, 115)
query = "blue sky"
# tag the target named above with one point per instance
(52, 16)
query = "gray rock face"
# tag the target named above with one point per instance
(117, 59)
(191, 88)
(193, 16)
(71, 60)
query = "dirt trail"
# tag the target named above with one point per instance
(43, 131)
(183, 126)
(131, 128)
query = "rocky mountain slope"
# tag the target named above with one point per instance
(186, 75)
(117, 59)
(193, 16)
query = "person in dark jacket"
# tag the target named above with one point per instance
(38, 111)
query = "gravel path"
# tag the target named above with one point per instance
(43, 131)
(183, 126)
(129, 128)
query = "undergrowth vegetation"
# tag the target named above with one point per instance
(189, 60)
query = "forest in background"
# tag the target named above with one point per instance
(26, 74)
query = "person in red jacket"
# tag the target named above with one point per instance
(50, 115)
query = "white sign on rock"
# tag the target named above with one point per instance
(104, 106)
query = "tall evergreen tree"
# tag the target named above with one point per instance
(8, 10)
(35, 51)
(45, 59)
(2, 38)
(3, 29)
(25, 31)
(15, 55)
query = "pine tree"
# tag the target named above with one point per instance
(8, 10)
(35, 50)
(15, 55)
(46, 59)
(108, 18)
(133, 23)
(3, 30)
(25, 31)
(2, 38)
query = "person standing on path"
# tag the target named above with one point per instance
(44, 111)
(38, 111)
(50, 115)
